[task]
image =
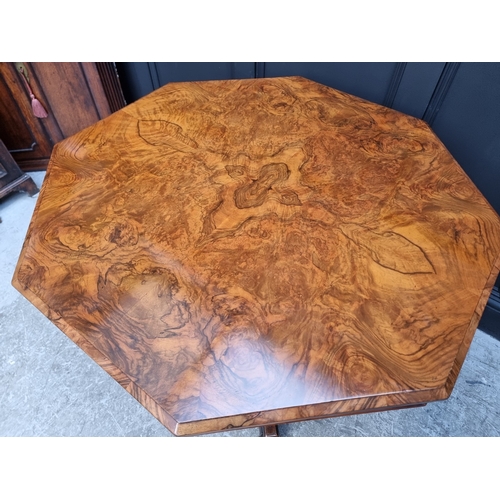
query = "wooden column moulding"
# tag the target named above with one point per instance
(252, 252)
(111, 85)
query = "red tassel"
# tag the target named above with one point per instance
(36, 105)
(38, 109)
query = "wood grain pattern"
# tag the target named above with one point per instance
(250, 252)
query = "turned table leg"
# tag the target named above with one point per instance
(28, 185)
(270, 431)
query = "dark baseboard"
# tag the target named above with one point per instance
(490, 321)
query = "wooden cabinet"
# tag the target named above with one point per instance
(12, 177)
(75, 95)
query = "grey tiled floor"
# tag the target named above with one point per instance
(49, 387)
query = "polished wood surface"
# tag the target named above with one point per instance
(250, 252)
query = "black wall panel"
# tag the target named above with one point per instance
(183, 72)
(370, 81)
(416, 88)
(468, 123)
(139, 79)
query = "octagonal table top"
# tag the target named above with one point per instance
(250, 252)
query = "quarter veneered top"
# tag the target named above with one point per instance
(252, 251)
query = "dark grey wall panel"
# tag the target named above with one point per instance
(185, 72)
(441, 91)
(417, 87)
(139, 79)
(490, 321)
(135, 79)
(468, 123)
(370, 81)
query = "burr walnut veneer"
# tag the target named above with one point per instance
(251, 252)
